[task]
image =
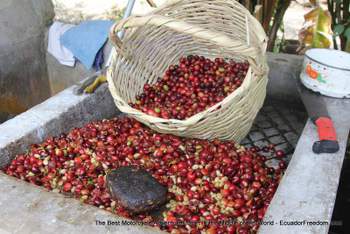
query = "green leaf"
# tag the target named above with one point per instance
(347, 33)
(338, 29)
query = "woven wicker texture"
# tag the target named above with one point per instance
(212, 28)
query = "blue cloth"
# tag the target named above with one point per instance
(86, 40)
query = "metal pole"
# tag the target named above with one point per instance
(126, 14)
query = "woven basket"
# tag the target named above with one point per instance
(212, 28)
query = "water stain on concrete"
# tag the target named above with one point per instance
(11, 105)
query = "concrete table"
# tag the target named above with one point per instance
(307, 192)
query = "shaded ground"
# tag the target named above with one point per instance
(341, 219)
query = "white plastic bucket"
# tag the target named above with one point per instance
(327, 71)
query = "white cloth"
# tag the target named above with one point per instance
(61, 53)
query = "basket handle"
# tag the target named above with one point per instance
(217, 38)
(151, 3)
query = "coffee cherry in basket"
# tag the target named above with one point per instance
(190, 87)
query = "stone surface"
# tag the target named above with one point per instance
(23, 74)
(136, 189)
(256, 135)
(270, 132)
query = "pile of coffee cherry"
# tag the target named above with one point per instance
(213, 186)
(190, 87)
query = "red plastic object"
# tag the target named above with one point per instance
(326, 129)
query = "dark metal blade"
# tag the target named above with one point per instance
(314, 102)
